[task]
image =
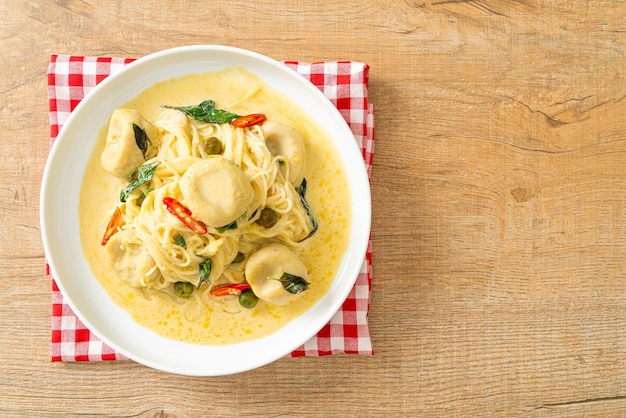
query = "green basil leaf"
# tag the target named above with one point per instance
(305, 204)
(206, 112)
(144, 175)
(292, 284)
(222, 229)
(180, 241)
(204, 271)
(141, 139)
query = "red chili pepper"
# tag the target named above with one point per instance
(230, 289)
(112, 226)
(184, 215)
(248, 120)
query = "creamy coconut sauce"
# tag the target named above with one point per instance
(241, 92)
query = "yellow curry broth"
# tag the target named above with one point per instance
(241, 92)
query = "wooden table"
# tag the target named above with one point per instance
(499, 207)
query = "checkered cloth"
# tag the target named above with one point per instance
(345, 83)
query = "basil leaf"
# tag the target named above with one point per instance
(141, 139)
(180, 241)
(305, 204)
(143, 196)
(292, 284)
(222, 229)
(204, 271)
(144, 175)
(206, 112)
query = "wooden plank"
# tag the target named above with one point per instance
(499, 222)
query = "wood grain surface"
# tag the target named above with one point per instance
(499, 207)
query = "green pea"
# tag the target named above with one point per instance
(248, 299)
(213, 146)
(268, 218)
(239, 258)
(183, 289)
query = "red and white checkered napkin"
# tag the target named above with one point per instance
(345, 83)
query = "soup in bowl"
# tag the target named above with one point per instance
(208, 224)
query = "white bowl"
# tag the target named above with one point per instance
(60, 222)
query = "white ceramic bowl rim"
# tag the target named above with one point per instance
(60, 225)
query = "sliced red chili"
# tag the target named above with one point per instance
(248, 120)
(112, 226)
(184, 215)
(230, 289)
